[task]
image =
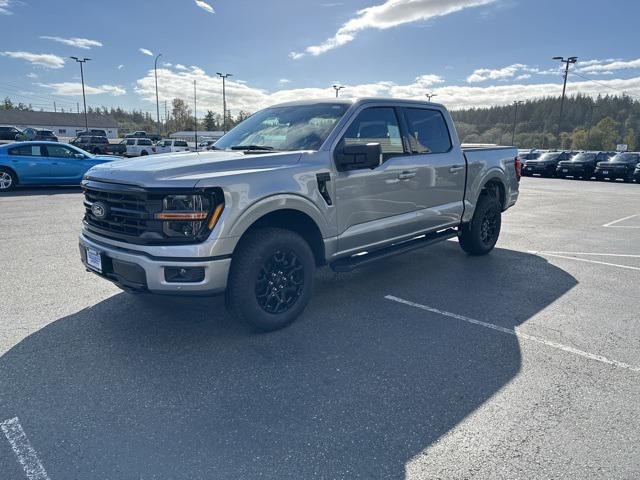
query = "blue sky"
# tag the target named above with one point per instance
(468, 52)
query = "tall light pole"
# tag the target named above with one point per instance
(567, 63)
(155, 71)
(84, 98)
(337, 88)
(224, 76)
(195, 113)
(515, 120)
(430, 95)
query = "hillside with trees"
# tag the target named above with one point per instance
(587, 124)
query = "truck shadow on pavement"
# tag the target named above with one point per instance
(165, 388)
(21, 191)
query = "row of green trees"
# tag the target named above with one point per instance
(179, 117)
(587, 124)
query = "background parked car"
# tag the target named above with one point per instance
(545, 164)
(9, 133)
(44, 163)
(581, 165)
(92, 132)
(621, 165)
(171, 145)
(636, 173)
(137, 147)
(154, 137)
(99, 145)
(30, 134)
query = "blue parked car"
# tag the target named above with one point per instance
(45, 163)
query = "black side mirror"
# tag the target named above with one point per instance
(358, 156)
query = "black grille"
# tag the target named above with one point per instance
(128, 212)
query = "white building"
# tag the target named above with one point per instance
(62, 124)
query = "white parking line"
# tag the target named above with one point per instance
(515, 333)
(542, 252)
(613, 224)
(627, 267)
(21, 446)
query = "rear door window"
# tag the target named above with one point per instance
(428, 132)
(144, 142)
(180, 143)
(27, 151)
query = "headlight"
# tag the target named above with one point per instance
(187, 216)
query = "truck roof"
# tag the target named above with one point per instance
(352, 101)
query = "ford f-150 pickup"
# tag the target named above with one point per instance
(294, 187)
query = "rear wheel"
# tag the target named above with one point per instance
(8, 180)
(479, 236)
(143, 153)
(271, 279)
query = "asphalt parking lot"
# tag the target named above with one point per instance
(521, 364)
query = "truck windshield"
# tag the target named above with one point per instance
(625, 158)
(300, 127)
(583, 157)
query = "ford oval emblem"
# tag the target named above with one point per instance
(99, 210)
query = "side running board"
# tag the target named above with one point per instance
(350, 263)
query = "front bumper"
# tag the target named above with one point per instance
(529, 170)
(574, 171)
(611, 172)
(138, 271)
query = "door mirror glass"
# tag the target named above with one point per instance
(358, 156)
(79, 155)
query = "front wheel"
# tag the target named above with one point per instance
(271, 279)
(8, 180)
(479, 236)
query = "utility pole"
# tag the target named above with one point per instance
(337, 88)
(155, 71)
(84, 98)
(224, 76)
(54, 107)
(165, 116)
(195, 113)
(515, 120)
(78, 107)
(430, 96)
(567, 63)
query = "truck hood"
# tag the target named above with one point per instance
(186, 169)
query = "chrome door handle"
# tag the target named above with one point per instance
(406, 175)
(456, 168)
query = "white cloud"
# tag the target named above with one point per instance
(146, 51)
(179, 66)
(75, 89)
(5, 7)
(121, 66)
(31, 75)
(167, 64)
(241, 96)
(606, 66)
(387, 15)
(521, 70)
(47, 60)
(75, 42)
(205, 6)
(284, 81)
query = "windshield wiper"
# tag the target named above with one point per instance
(251, 147)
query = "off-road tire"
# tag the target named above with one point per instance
(275, 261)
(479, 236)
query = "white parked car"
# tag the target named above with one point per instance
(170, 145)
(137, 147)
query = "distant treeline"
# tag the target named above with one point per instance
(587, 123)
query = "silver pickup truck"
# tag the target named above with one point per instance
(294, 187)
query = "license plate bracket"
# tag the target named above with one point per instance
(94, 259)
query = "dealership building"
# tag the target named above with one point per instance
(62, 124)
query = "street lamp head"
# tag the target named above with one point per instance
(558, 58)
(573, 59)
(74, 58)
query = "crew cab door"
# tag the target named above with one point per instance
(376, 205)
(441, 167)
